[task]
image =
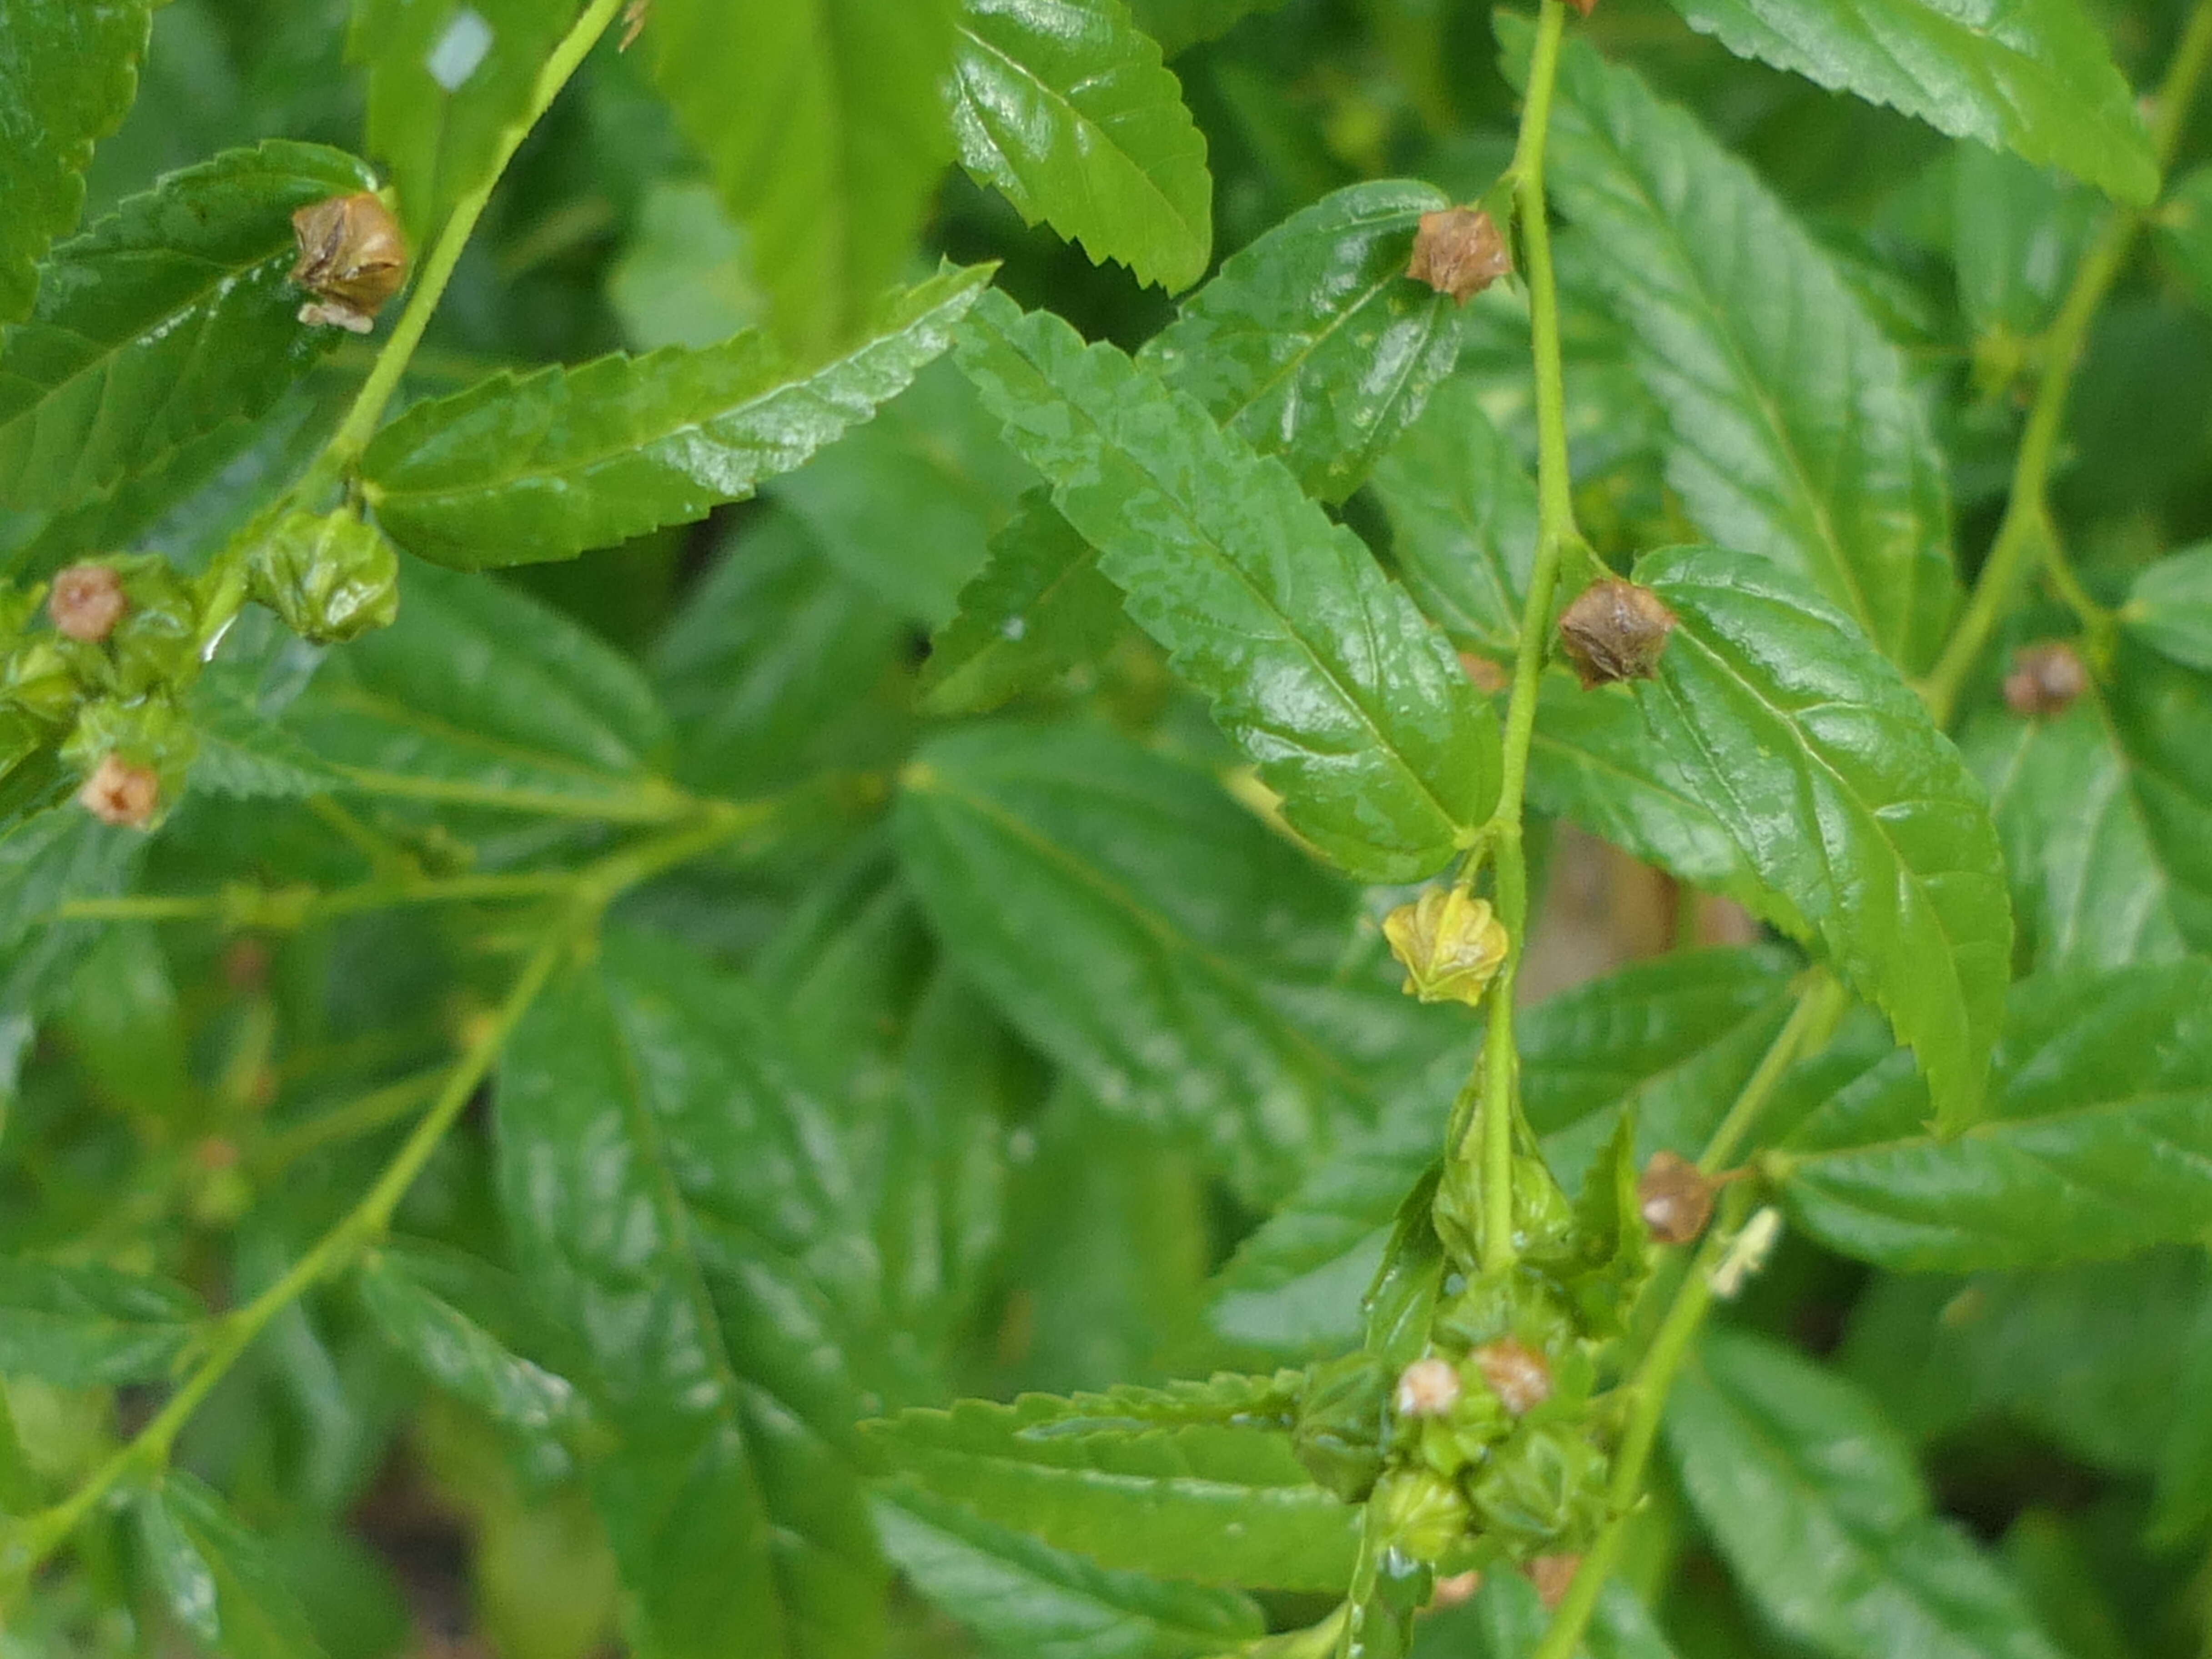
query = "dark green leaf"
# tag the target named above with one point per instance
(2017, 233)
(1353, 706)
(677, 1199)
(1029, 1601)
(1821, 1514)
(2184, 230)
(1312, 344)
(46, 860)
(89, 1327)
(2098, 1143)
(2170, 607)
(1218, 1505)
(218, 1579)
(164, 321)
(1506, 1620)
(2035, 78)
(69, 69)
(516, 470)
(446, 78)
(1798, 435)
(1823, 765)
(1064, 106)
(1179, 24)
(822, 123)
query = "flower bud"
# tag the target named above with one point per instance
(2045, 679)
(155, 646)
(1517, 1374)
(87, 602)
(1673, 1198)
(1427, 1388)
(134, 757)
(329, 576)
(1458, 250)
(352, 258)
(1614, 630)
(1544, 1489)
(1451, 946)
(1420, 1512)
(121, 794)
(43, 678)
(1453, 1591)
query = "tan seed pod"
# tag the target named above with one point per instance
(1458, 250)
(121, 794)
(1614, 630)
(1517, 1374)
(2045, 679)
(1427, 1388)
(1451, 1592)
(1675, 1200)
(1550, 1575)
(352, 258)
(87, 602)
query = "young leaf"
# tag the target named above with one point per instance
(1823, 765)
(169, 317)
(822, 122)
(1319, 667)
(87, 1326)
(2098, 1142)
(446, 78)
(1820, 1512)
(560, 461)
(1797, 433)
(2035, 78)
(1215, 1505)
(218, 1578)
(69, 69)
(1066, 108)
(1029, 1601)
(678, 1201)
(2170, 607)
(1312, 344)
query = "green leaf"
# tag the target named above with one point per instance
(1506, 1620)
(1029, 1601)
(465, 1325)
(2098, 1144)
(218, 1579)
(87, 1326)
(46, 859)
(1213, 1504)
(2035, 77)
(554, 463)
(1820, 1513)
(1462, 519)
(1065, 107)
(2017, 233)
(1149, 935)
(678, 1201)
(1354, 706)
(1312, 344)
(69, 69)
(822, 124)
(1177, 24)
(1040, 605)
(2170, 606)
(1797, 432)
(446, 78)
(2184, 231)
(1823, 765)
(166, 318)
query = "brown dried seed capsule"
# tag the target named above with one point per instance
(1550, 1575)
(1452, 1591)
(121, 794)
(87, 602)
(2046, 678)
(1517, 1374)
(1427, 1388)
(1487, 676)
(1614, 630)
(352, 258)
(1674, 1199)
(1458, 250)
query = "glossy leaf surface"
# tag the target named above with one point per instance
(83, 1326)
(218, 1579)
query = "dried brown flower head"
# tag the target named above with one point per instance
(121, 794)
(87, 602)
(1675, 1200)
(1517, 1374)
(2046, 678)
(1614, 630)
(352, 258)
(1427, 1388)
(1458, 250)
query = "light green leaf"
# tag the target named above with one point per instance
(164, 321)
(822, 122)
(1029, 1601)
(446, 78)
(69, 69)
(1820, 1513)
(516, 470)
(1506, 1620)
(1213, 1505)
(1353, 706)
(2170, 607)
(2017, 233)
(2098, 1142)
(685, 278)
(1823, 766)
(85, 1326)
(2034, 76)
(218, 1579)
(1312, 342)
(46, 859)
(1066, 108)
(1798, 434)
(1177, 24)
(678, 1201)
(2184, 233)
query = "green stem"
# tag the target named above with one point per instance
(654, 800)
(1555, 531)
(1817, 1006)
(364, 1115)
(2025, 537)
(281, 908)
